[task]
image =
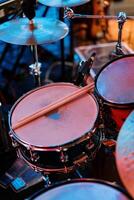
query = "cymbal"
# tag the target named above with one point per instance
(41, 31)
(125, 153)
(63, 3)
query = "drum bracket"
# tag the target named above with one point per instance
(109, 145)
(14, 143)
(63, 157)
(33, 155)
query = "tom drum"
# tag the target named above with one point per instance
(115, 88)
(82, 189)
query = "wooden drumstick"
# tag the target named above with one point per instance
(54, 105)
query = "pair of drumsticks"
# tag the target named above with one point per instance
(54, 105)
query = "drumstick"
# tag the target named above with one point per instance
(54, 106)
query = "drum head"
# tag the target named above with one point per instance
(63, 125)
(81, 190)
(115, 83)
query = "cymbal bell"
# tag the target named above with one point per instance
(40, 31)
(63, 3)
(125, 154)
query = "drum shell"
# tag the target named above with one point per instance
(63, 159)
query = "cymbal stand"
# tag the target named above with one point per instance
(121, 20)
(62, 48)
(35, 68)
(69, 13)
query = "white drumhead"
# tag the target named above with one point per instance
(64, 125)
(83, 191)
(115, 82)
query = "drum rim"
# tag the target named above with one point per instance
(121, 105)
(52, 148)
(83, 180)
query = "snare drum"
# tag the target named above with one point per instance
(62, 139)
(115, 89)
(82, 189)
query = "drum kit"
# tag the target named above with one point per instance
(56, 135)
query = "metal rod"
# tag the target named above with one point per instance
(99, 16)
(36, 55)
(69, 13)
(62, 49)
(35, 68)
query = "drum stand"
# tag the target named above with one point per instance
(35, 68)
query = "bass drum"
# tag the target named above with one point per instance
(115, 90)
(62, 139)
(82, 189)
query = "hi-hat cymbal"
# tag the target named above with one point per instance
(41, 31)
(63, 3)
(125, 154)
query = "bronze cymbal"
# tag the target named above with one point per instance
(40, 31)
(125, 154)
(63, 3)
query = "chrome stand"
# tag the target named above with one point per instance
(121, 20)
(35, 68)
